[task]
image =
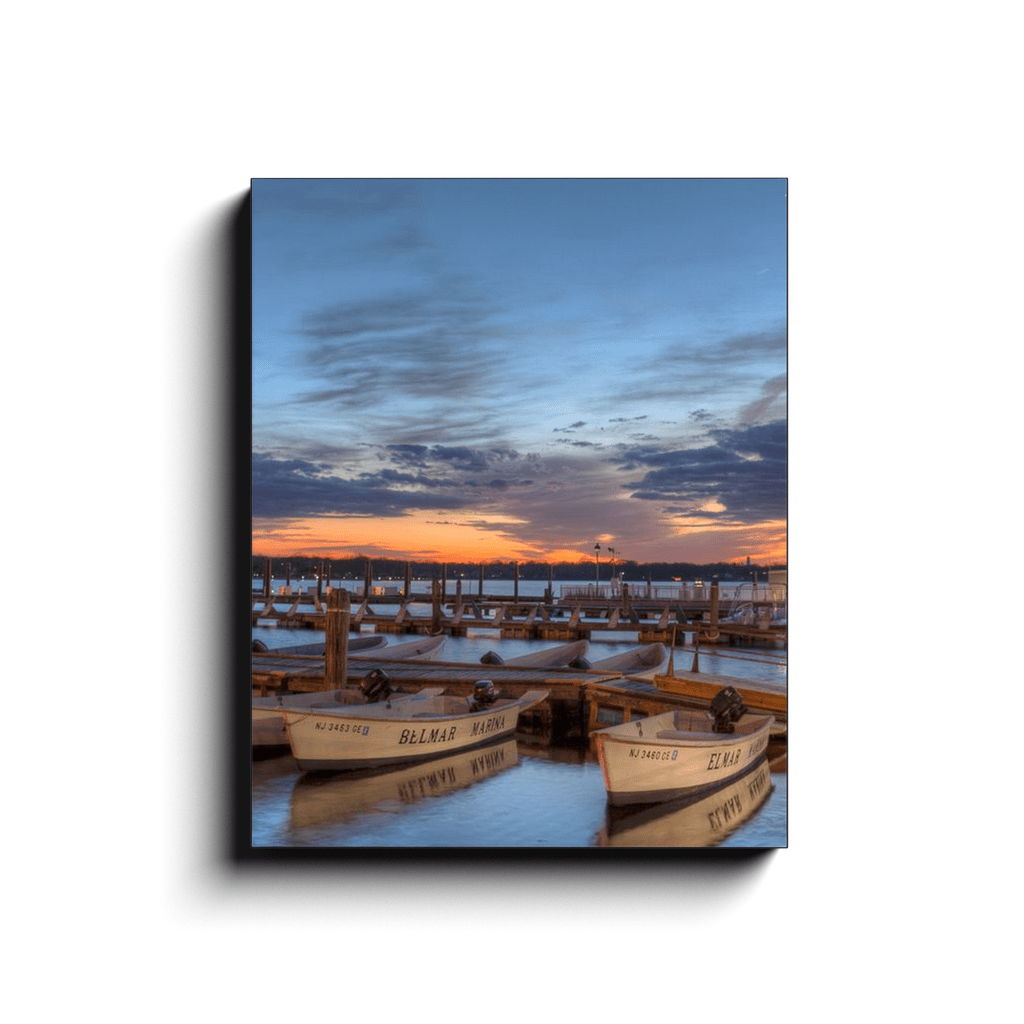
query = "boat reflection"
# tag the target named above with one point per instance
(696, 821)
(319, 799)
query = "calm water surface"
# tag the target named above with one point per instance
(516, 793)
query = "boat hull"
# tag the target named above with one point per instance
(643, 763)
(374, 736)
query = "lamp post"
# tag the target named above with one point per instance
(597, 564)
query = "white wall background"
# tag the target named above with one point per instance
(130, 134)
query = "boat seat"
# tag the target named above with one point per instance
(679, 734)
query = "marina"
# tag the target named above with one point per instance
(541, 787)
(715, 613)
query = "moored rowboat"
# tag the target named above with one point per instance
(645, 658)
(425, 649)
(550, 657)
(391, 732)
(679, 752)
(357, 644)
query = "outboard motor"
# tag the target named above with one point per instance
(376, 686)
(727, 706)
(490, 658)
(484, 694)
(579, 662)
(259, 647)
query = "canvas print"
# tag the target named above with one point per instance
(519, 513)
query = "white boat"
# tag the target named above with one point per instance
(357, 644)
(424, 649)
(392, 732)
(550, 657)
(703, 820)
(267, 712)
(645, 658)
(680, 752)
(372, 647)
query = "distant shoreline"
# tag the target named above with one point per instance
(359, 567)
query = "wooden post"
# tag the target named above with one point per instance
(435, 617)
(368, 582)
(336, 646)
(288, 575)
(408, 580)
(320, 580)
(549, 593)
(672, 655)
(625, 600)
(267, 584)
(515, 581)
(444, 580)
(714, 602)
(481, 591)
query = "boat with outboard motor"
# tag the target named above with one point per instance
(680, 752)
(392, 731)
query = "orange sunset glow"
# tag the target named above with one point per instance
(416, 538)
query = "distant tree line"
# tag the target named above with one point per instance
(355, 568)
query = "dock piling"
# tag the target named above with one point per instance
(336, 640)
(435, 613)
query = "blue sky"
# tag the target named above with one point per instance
(520, 368)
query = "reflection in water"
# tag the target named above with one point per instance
(703, 821)
(318, 799)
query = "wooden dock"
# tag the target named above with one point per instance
(650, 621)
(579, 701)
(699, 689)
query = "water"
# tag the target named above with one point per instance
(518, 792)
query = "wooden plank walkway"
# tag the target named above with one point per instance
(700, 688)
(624, 699)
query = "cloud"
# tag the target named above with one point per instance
(767, 406)
(701, 369)
(461, 457)
(437, 345)
(294, 488)
(744, 470)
